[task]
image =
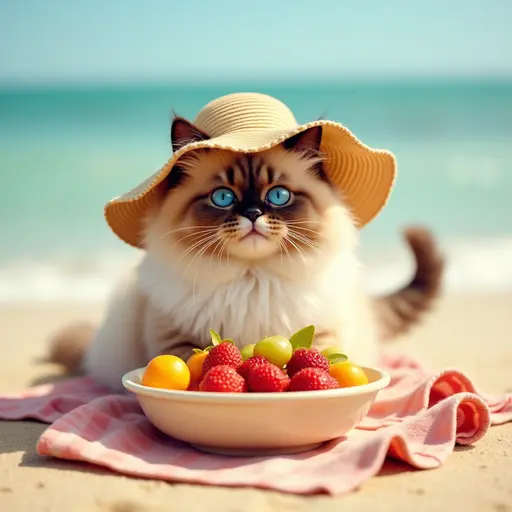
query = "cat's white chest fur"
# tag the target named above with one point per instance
(255, 302)
(156, 310)
(250, 307)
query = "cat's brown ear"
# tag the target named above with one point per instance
(183, 132)
(308, 140)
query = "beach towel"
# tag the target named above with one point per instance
(418, 419)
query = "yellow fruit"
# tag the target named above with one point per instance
(166, 372)
(348, 374)
(195, 365)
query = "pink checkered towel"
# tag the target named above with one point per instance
(417, 419)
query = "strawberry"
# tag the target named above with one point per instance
(312, 379)
(267, 378)
(193, 386)
(223, 379)
(225, 353)
(306, 358)
(251, 363)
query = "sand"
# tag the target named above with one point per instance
(470, 333)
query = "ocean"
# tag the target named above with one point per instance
(65, 152)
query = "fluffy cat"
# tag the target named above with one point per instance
(250, 245)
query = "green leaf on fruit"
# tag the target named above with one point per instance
(303, 338)
(228, 340)
(216, 339)
(197, 351)
(337, 358)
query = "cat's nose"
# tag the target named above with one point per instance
(252, 213)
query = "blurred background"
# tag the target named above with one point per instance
(87, 90)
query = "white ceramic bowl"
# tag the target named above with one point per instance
(256, 423)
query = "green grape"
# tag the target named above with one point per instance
(247, 351)
(276, 349)
(329, 351)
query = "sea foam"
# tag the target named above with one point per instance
(473, 266)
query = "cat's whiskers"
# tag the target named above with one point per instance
(228, 255)
(301, 252)
(302, 228)
(303, 221)
(201, 233)
(304, 239)
(195, 245)
(222, 247)
(303, 244)
(286, 250)
(282, 244)
(207, 228)
(198, 254)
(219, 244)
(299, 242)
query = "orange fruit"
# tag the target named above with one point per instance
(348, 374)
(166, 372)
(195, 364)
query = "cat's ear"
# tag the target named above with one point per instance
(184, 132)
(308, 140)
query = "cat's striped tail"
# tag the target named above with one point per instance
(401, 310)
(67, 346)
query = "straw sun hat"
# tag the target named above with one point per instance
(249, 123)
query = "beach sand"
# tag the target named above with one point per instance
(472, 334)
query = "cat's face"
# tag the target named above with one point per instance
(220, 205)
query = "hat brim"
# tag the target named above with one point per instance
(364, 176)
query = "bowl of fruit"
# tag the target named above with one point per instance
(278, 396)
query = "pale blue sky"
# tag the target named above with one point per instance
(63, 41)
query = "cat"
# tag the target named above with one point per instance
(250, 245)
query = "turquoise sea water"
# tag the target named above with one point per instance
(64, 153)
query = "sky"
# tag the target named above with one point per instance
(122, 41)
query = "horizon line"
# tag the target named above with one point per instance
(293, 81)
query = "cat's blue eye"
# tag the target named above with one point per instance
(223, 197)
(278, 196)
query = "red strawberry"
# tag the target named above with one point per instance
(312, 379)
(225, 353)
(251, 363)
(306, 358)
(223, 379)
(193, 386)
(267, 378)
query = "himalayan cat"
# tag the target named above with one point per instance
(250, 245)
